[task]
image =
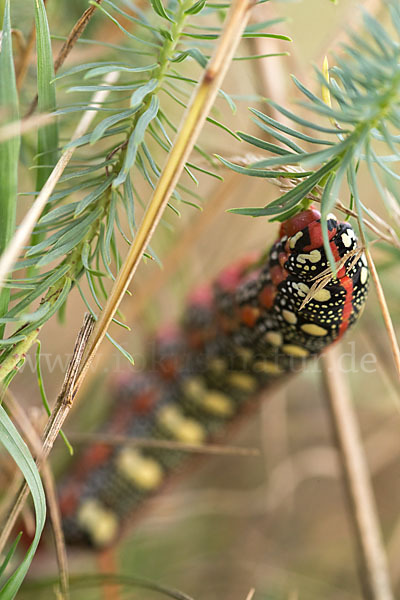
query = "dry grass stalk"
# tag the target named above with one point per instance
(117, 440)
(20, 127)
(55, 422)
(251, 593)
(322, 279)
(374, 574)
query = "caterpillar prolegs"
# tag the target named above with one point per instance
(251, 326)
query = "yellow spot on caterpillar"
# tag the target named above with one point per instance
(180, 427)
(294, 238)
(242, 381)
(314, 256)
(289, 316)
(274, 338)
(217, 365)
(267, 366)
(193, 388)
(363, 275)
(322, 295)
(142, 471)
(245, 354)
(218, 404)
(302, 289)
(294, 350)
(313, 329)
(99, 522)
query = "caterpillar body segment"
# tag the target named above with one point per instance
(250, 327)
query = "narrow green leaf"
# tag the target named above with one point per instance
(263, 172)
(158, 8)
(40, 289)
(135, 140)
(140, 94)
(48, 134)
(90, 198)
(291, 198)
(111, 68)
(98, 131)
(10, 554)
(9, 149)
(196, 7)
(15, 445)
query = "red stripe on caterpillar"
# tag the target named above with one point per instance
(237, 335)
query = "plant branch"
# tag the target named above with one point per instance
(192, 122)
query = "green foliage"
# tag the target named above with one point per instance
(359, 127)
(121, 155)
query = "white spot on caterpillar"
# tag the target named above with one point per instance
(313, 329)
(289, 316)
(363, 275)
(346, 239)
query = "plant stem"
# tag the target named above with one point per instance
(374, 573)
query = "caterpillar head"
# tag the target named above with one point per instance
(304, 245)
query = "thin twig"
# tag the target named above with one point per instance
(374, 574)
(62, 407)
(15, 247)
(25, 58)
(191, 125)
(118, 440)
(66, 48)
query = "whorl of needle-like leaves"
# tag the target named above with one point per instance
(359, 123)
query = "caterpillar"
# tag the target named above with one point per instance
(248, 328)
